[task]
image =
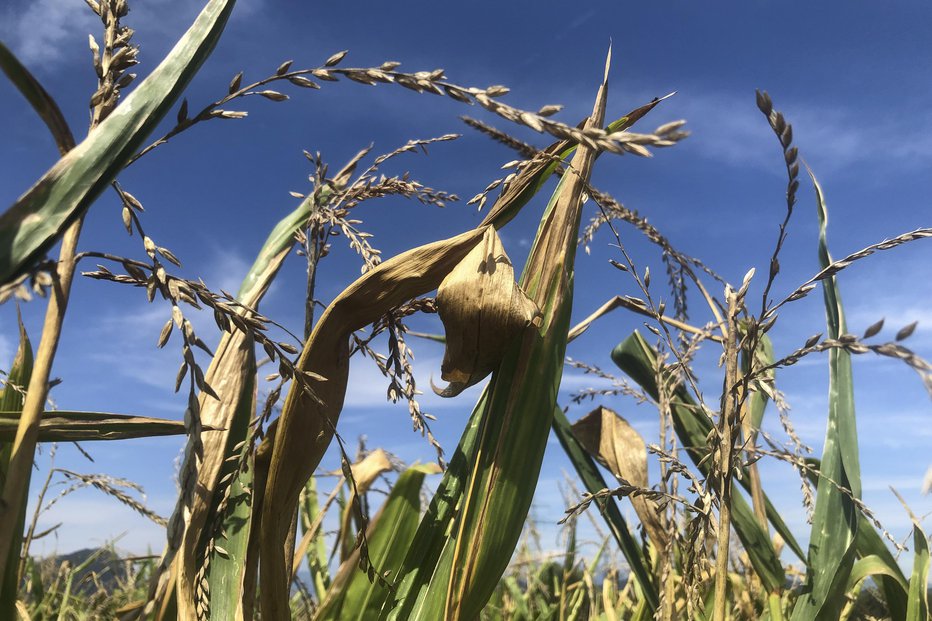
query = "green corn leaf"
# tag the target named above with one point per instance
(40, 216)
(420, 564)
(835, 521)
(226, 570)
(592, 479)
(352, 595)
(918, 609)
(11, 399)
(892, 581)
(635, 357)
(869, 543)
(868, 567)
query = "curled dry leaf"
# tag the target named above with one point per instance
(615, 444)
(298, 439)
(367, 470)
(482, 309)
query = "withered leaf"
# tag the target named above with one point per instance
(482, 309)
(615, 444)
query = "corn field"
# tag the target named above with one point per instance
(265, 527)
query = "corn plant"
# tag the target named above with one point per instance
(250, 478)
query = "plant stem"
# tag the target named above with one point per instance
(24, 446)
(35, 519)
(726, 447)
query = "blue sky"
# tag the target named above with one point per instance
(855, 82)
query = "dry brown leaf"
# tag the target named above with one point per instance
(615, 444)
(482, 309)
(368, 469)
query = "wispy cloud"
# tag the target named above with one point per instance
(730, 128)
(226, 269)
(43, 31)
(124, 344)
(49, 32)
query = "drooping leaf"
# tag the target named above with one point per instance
(482, 309)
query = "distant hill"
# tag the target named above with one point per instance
(107, 571)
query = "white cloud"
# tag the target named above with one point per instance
(88, 522)
(41, 31)
(730, 128)
(226, 270)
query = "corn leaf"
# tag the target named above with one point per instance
(869, 567)
(41, 215)
(892, 581)
(835, 521)
(69, 426)
(869, 543)
(390, 535)
(218, 519)
(918, 609)
(316, 548)
(421, 562)
(11, 399)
